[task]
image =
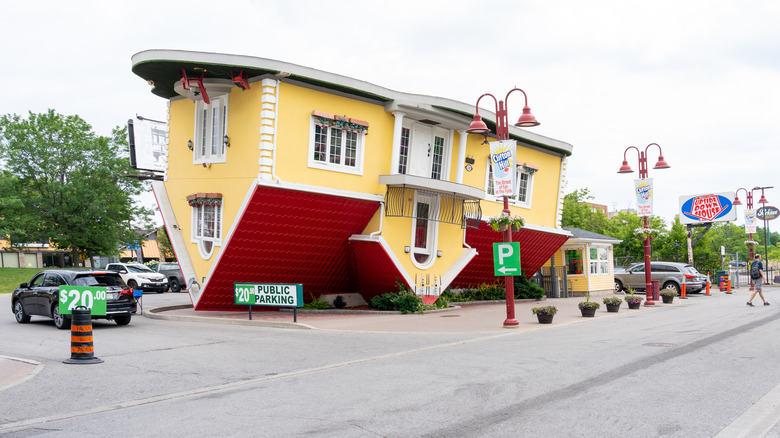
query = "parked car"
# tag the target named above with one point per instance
(668, 274)
(40, 297)
(735, 264)
(139, 276)
(172, 271)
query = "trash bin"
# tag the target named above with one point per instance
(721, 276)
(656, 293)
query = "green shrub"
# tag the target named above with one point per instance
(383, 302)
(527, 290)
(317, 305)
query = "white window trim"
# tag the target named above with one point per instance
(433, 232)
(513, 199)
(327, 165)
(598, 262)
(221, 157)
(194, 238)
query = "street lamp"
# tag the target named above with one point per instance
(625, 168)
(502, 133)
(762, 200)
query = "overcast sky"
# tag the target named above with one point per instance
(699, 77)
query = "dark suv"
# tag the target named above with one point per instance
(670, 275)
(40, 296)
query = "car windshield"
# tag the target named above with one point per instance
(138, 268)
(99, 280)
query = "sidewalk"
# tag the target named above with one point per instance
(485, 317)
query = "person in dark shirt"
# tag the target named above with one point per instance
(758, 283)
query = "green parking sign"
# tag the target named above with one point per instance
(267, 294)
(93, 298)
(506, 258)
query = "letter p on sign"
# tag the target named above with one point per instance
(506, 258)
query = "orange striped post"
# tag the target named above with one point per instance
(708, 284)
(683, 296)
(728, 286)
(81, 349)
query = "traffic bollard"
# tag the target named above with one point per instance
(708, 286)
(682, 295)
(81, 349)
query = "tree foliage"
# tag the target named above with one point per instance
(670, 243)
(65, 185)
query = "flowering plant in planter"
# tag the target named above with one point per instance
(612, 301)
(588, 304)
(668, 293)
(545, 310)
(503, 221)
(751, 244)
(631, 298)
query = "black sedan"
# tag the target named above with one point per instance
(40, 296)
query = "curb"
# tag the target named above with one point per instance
(155, 314)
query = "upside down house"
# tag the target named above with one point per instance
(278, 173)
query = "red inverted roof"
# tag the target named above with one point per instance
(536, 247)
(289, 236)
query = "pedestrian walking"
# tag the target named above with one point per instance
(757, 275)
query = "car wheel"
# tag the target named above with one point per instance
(175, 286)
(122, 319)
(672, 285)
(618, 286)
(62, 322)
(132, 284)
(19, 313)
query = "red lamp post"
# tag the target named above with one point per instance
(625, 168)
(502, 133)
(749, 196)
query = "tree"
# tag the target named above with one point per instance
(164, 243)
(577, 214)
(74, 192)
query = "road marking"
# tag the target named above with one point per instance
(757, 420)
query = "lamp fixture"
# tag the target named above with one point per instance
(189, 144)
(226, 140)
(407, 249)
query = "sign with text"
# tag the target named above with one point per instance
(644, 196)
(502, 162)
(712, 207)
(750, 221)
(767, 213)
(264, 294)
(93, 298)
(506, 258)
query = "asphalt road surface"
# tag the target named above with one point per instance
(700, 368)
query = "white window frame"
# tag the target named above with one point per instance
(407, 141)
(600, 265)
(206, 244)
(514, 199)
(433, 232)
(327, 164)
(208, 144)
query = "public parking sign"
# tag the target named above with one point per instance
(263, 294)
(506, 258)
(93, 298)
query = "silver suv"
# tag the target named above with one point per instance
(139, 276)
(670, 275)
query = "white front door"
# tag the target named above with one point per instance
(420, 151)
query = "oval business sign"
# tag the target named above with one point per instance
(706, 208)
(767, 213)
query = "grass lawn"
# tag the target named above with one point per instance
(11, 277)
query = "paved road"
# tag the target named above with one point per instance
(692, 369)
